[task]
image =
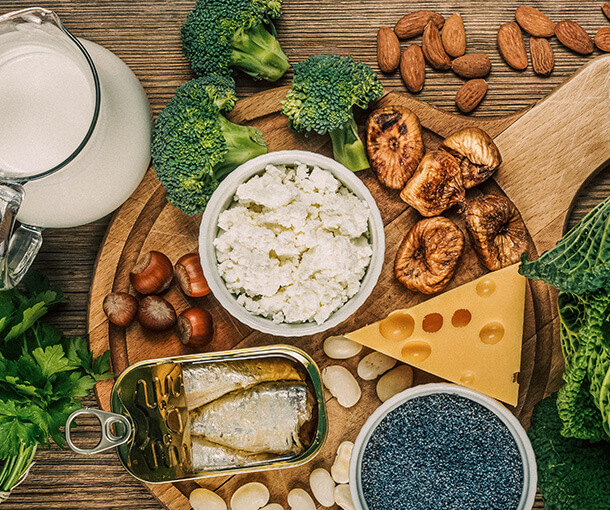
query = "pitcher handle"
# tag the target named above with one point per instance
(109, 439)
(17, 248)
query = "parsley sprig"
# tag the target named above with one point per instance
(42, 375)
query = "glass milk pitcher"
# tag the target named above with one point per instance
(75, 128)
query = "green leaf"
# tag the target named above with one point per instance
(101, 367)
(59, 412)
(51, 360)
(573, 474)
(73, 384)
(15, 428)
(30, 316)
(580, 261)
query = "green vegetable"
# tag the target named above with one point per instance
(580, 261)
(220, 34)
(194, 146)
(572, 474)
(585, 340)
(325, 88)
(42, 373)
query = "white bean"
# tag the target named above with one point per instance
(298, 499)
(342, 384)
(340, 347)
(374, 364)
(340, 468)
(323, 486)
(343, 497)
(251, 496)
(204, 499)
(396, 380)
(273, 506)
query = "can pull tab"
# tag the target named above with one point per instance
(109, 439)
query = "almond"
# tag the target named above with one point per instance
(473, 65)
(388, 50)
(432, 46)
(454, 36)
(413, 24)
(573, 36)
(470, 95)
(413, 68)
(602, 39)
(511, 45)
(543, 59)
(534, 22)
(606, 9)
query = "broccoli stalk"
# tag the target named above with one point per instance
(348, 148)
(258, 54)
(325, 88)
(243, 143)
(222, 34)
(194, 146)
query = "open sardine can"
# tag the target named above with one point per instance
(212, 414)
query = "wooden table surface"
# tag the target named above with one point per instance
(145, 34)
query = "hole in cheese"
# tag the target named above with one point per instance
(461, 318)
(432, 322)
(491, 333)
(397, 326)
(486, 287)
(416, 351)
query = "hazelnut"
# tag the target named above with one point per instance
(428, 255)
(195, 327)
(189, 274)
(120, 308)
(475, 152)
(436, 185)
(152, 274)
(156, 313)
(394, 144)
(498, 233)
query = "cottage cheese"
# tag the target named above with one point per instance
(293, 246)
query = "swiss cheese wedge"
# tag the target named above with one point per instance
(470, 335)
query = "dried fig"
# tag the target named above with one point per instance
(436, 185)
(394, 144)
(498, 233)
(476, 153)
(428, 255)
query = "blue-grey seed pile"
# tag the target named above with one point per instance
(442, 452)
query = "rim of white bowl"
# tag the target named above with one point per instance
(222, 198)
(530, 476)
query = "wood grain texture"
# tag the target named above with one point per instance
(145, 34)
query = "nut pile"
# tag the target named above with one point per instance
(151, 276)
(443, 47)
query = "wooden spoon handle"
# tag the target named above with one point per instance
(552, 150)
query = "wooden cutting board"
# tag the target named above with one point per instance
(549, 151)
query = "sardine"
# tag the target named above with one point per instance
(265, 418)
(204, 382)
(207, 456)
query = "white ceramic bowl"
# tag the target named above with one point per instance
(512, 424)
(222, 198)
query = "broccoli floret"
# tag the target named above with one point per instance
(220, 34)
(194, 146)
(324, 90)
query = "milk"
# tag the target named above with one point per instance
(46, 103)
